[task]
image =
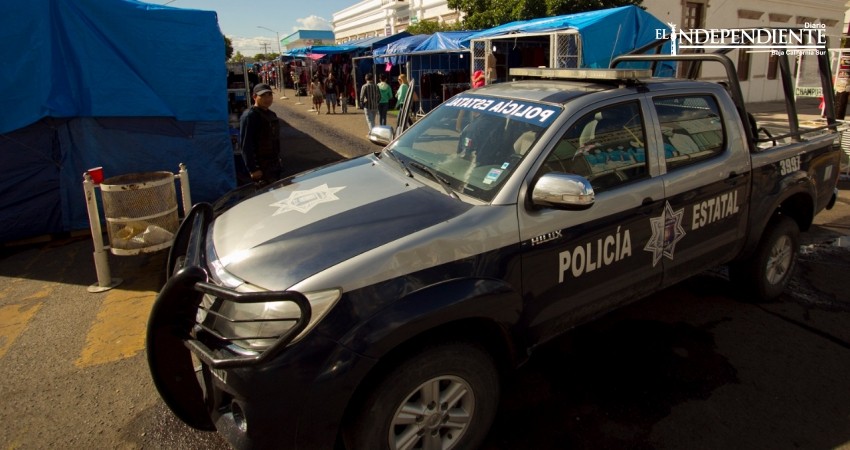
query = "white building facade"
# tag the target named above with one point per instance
(757, 70)
(370, 18)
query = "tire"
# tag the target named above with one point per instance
(765, 275)
(444, 397)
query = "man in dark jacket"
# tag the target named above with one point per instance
(259, 132)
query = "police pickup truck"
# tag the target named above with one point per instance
(374, 303)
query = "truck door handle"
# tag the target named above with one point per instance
(647, 201)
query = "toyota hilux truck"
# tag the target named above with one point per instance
(377, 302)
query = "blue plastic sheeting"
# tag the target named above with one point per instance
(143, 144)
(446, 40)
(42, 192)
(604, 33)
(320, 50)
(121, 84)
(377, 41)
(29, 190)
(398, 48)
(96, 58)
(353, 47)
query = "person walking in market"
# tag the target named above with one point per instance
(344, 92)
(318, 93)
(370, 97)
(386, 95)
(400, 95)
(331, 92)
(259, 137)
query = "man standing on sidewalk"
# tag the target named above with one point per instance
(259, 133)
(370, 97)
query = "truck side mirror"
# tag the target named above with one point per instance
(562, 191)
(381, 135)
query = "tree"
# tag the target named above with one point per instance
(238, 57)
(561, 7)
(482, 14)
(431, 27)
(228, 48)
(265, 56)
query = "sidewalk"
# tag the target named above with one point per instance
(807, 110)
(352, 124)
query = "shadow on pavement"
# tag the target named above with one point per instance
(300, 151)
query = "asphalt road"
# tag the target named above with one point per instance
(690, 367)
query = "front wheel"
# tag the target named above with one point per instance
(442, 398)
(767, 272)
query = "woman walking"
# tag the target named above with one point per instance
(318, 94)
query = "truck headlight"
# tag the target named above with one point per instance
(254, 327)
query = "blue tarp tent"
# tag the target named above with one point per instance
(604, 33)
(395, 52)
(368, 44)
(319, 50)
(125, 85)
(447, 41)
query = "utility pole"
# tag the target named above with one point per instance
(277, 60)
(265, 48)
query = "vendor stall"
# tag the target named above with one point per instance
(589, 39)
(118, 84)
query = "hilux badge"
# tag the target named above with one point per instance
(666, 232)
(304, 201)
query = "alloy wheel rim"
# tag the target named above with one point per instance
(779, 261)
(434, 416)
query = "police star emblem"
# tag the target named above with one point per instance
(304, 201)
(666, 232)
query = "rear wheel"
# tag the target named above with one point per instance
(765, 275)
(442, 398)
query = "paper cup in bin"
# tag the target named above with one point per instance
(140, 211)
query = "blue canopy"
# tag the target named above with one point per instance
(377, 41)
(604, 33)
(109, 58)
(446, 40)
(320, 50)
(125, 85)
(394, 52)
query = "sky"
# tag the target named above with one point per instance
(240, 20)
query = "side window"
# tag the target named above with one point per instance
(691, 128)
(605, 146)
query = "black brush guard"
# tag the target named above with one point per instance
(173, 334)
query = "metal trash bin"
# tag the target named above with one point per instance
(140, 211)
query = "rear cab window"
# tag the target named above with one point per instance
(691, 129)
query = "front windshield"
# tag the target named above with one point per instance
(474, 142)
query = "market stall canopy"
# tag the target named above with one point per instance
(446, 41)
(374, 42)
(303, 52)
(604, 33)
(395, 52)
(120, 84)
(112, 58)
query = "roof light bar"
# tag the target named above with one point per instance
(581, 74)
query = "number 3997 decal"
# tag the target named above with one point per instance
(789, 165)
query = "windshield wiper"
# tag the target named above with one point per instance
(401, 163)
(440, 180)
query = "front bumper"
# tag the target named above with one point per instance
(227, 389)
